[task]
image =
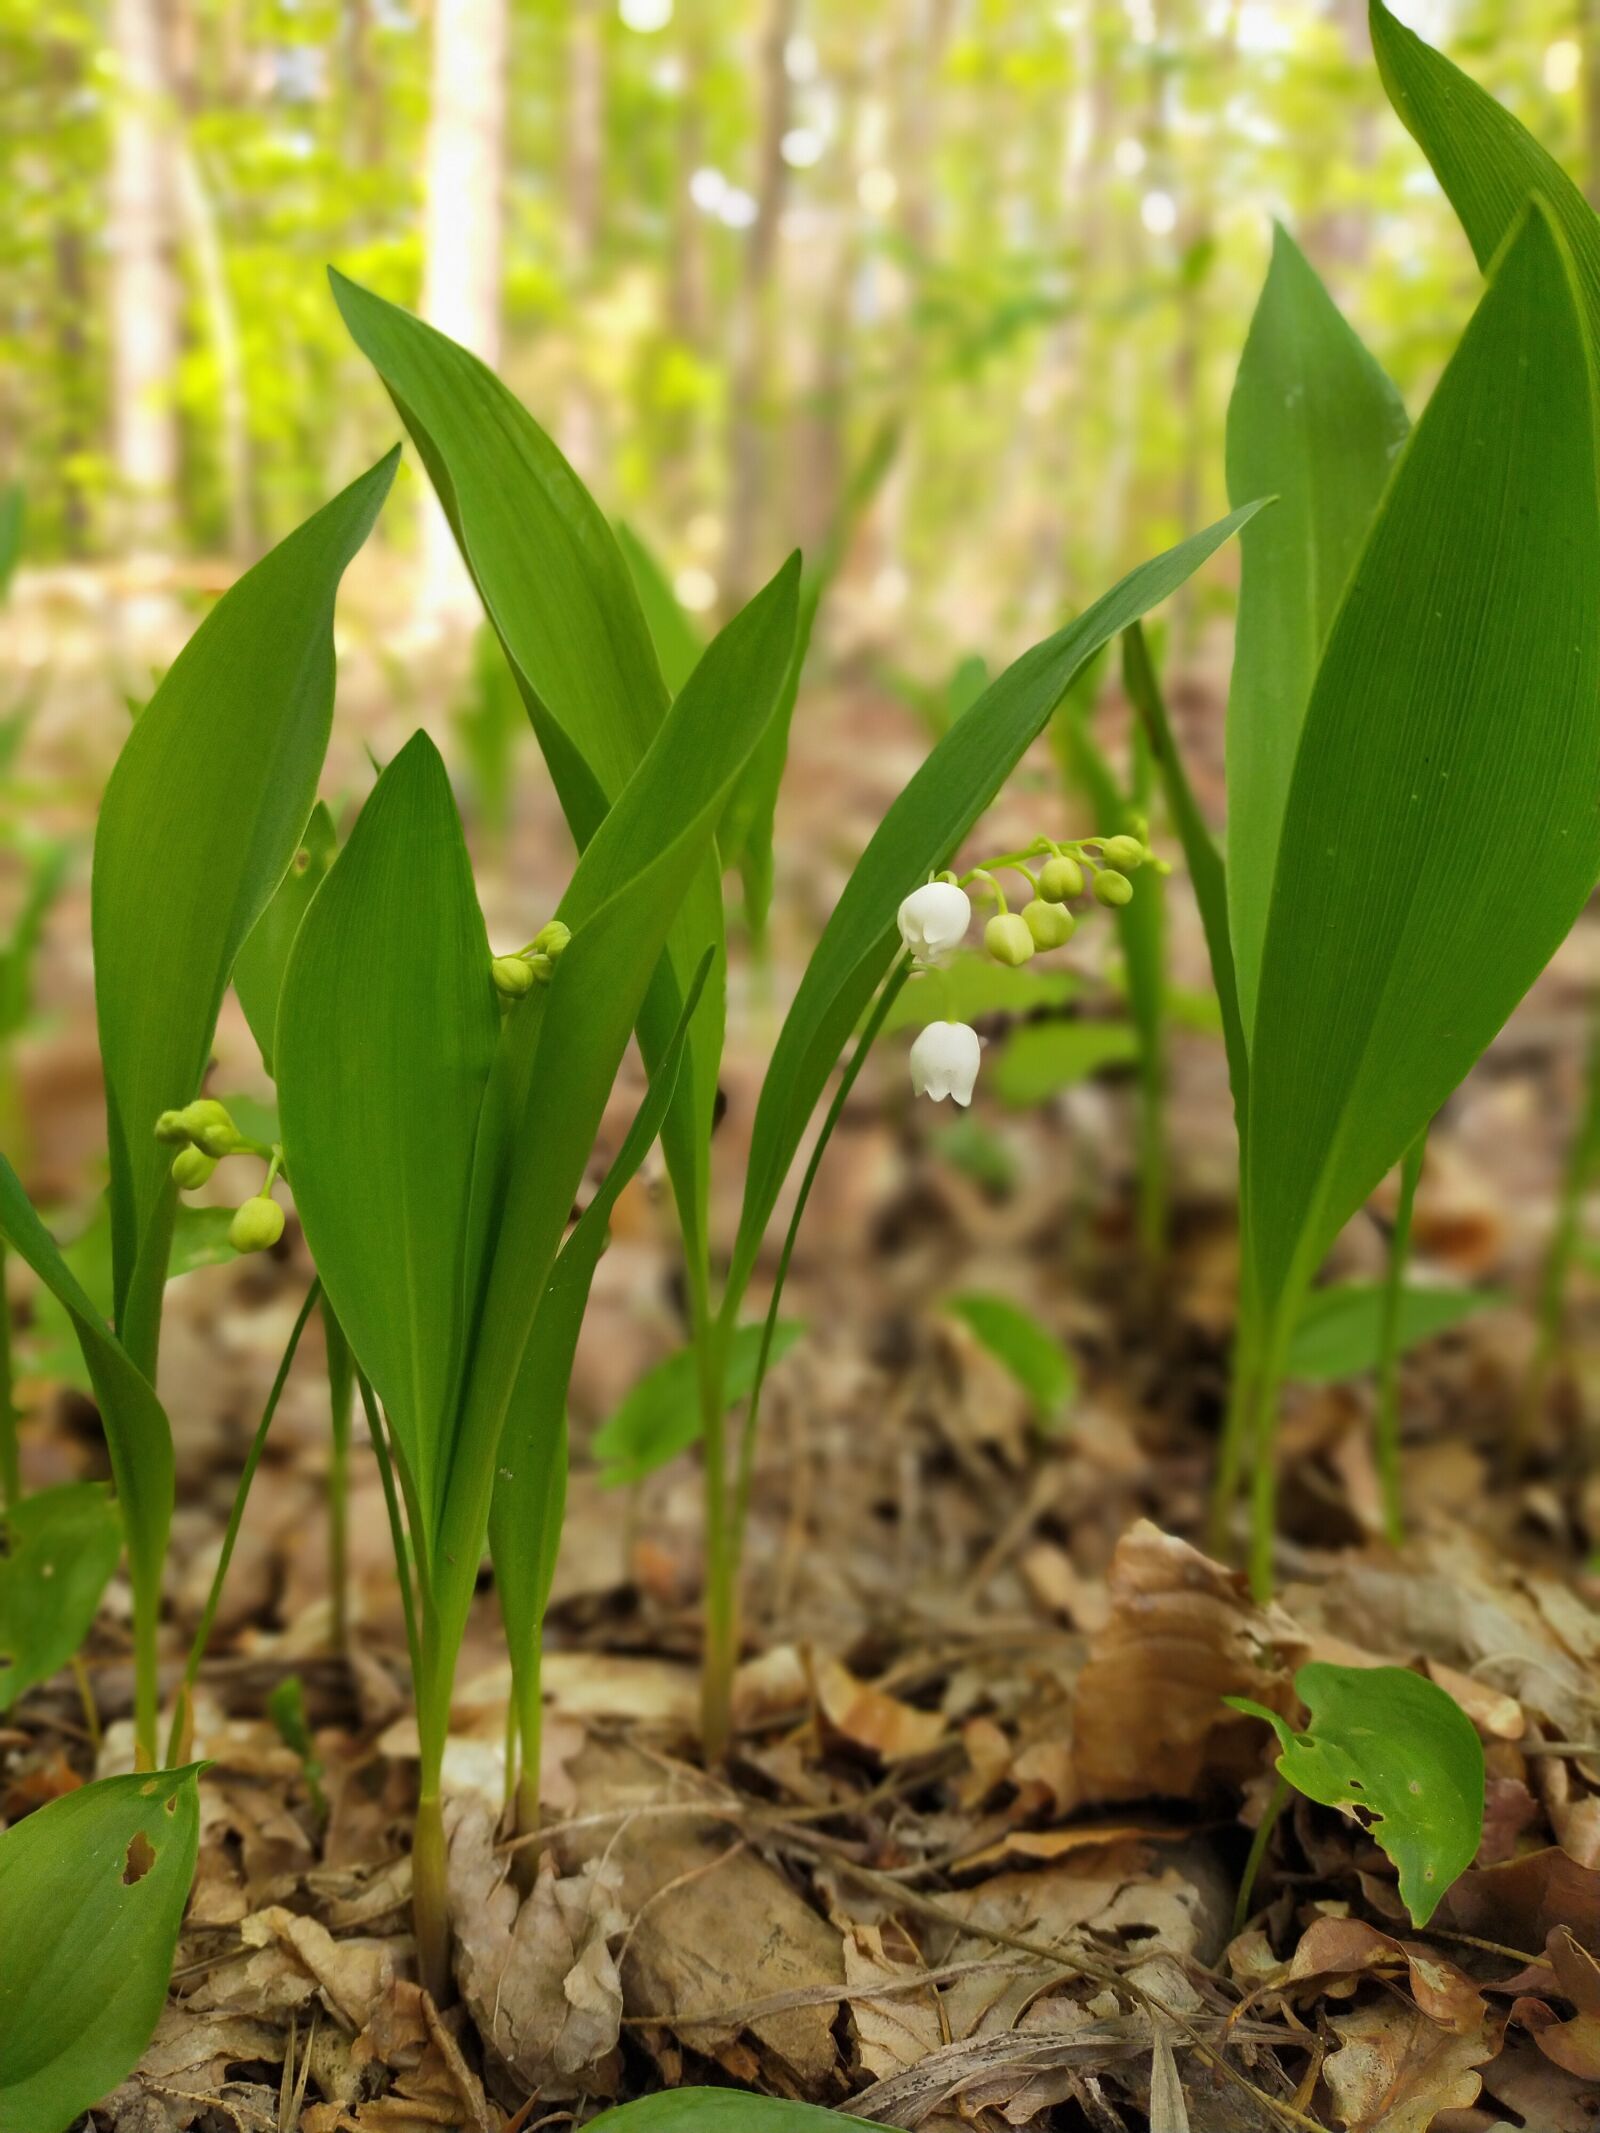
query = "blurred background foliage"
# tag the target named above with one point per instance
(714, 244)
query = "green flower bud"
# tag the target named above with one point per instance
(513, 976)
(1007, 938)
(1050, 924)
(209, 1127)
(256, 1226)
(551, 940)
(1112, 888)
(171, 1128)
(1060, 879)
(191, 1167)
(1124, 852)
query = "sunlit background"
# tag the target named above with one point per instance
(716, 245)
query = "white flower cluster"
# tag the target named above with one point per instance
(944, 1059)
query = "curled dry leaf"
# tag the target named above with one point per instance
(1182, 1634)
(869, 1718)
(1396, 2070)
(1347, 1948)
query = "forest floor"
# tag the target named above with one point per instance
(972, 1865)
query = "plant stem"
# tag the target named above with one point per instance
(1583, 1159)
(1262, 1444)
(341, 1399)
(10, 1458)
(1388, 1416)
(397, 1529)
(528, 1704)
(241, 1495)
(1258, 1851)
(722, 1566)
(1235, 1427)
(430, 1897)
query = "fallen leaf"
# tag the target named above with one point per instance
(1395, 2070)
(869, 1719)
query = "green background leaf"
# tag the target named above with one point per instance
(258, 971)
(1339, 1332)
(86, 1939)
(720, 2111)
(1393, 1744)
(1043, 1058)
(1035, 1358)
(660, 1417)
(60, 1548)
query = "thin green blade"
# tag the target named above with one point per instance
(1440, 835)
(1339, 1333)
(1313, 421)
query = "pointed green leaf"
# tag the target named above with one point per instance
(720, 2111)
(1043, 1058)
(660, 1416)
(92, 1890)
(199, 822)
(1339, 1333)
(57, 1552)
(1455, 718)
(386, 1032)
(258, 972)
(678, 643)
(555, 586)
(919, 834)
(1314, 422)
(1035, 1358)
(972, 986)
(1393, 1745)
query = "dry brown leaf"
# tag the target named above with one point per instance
(901, 2029)
(1522, 1902)
(1395, 2070)
(1349, 1948)
(1183, 1633)
(1021, 1845)
(870, 1719)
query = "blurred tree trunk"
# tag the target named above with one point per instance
(1591, 99)
(585, 181)
(463, 228)
(753, 345)
(143, 285)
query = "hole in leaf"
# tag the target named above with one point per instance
(141, 1857)
(172, 1803)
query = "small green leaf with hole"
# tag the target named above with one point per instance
(92, 1890)
(1034, 1357)
(57, 1552)
(1393, 1746)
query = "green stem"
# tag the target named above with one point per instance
(140, 1327)
(341, 1400)
(1262, 1446)
(1388, 1416)
(1235, 1427)
(722, 1567)
(528, 1704)
(1582, 1161)
(241, 1495)
(430, 1896)
(397, 1528)
(1258, 1852)
(10, 1457)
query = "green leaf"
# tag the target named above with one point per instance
(12, 514)
(720, 2111)
(92, 1890)
(138, 1436)
(199, 1238)
(560, 1047)
(1047, 1057)
(1456, 716)
(979, 1153)
(556, 588)
(387, 1030)
(953, 788)
(661, 1415)
(973, 986)
(678, 643)
(1313, 421)
(47, 869)
(201, 817)
(57, 1552)
(1339, 1333)
(531, 1469)
(1033, 1355)
(1394, 1746)
(258, 972)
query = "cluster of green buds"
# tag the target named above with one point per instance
(933, 923)
(516, 975)
(204, 1132)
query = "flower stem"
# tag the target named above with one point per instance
(1388, 1415)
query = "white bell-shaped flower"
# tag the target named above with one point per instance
(934, 920)
(944, 1062)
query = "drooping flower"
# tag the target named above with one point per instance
(1008, 939)
(933, 921)
(944, 1062)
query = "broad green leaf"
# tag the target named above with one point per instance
(661, 1416)
(974, 986)
(1314, 422)
(1044, 1058)
(1032, 1354)
(199, 1238)
(57, 1552)
(387, 1029)
(922, 829)
(556, 588)
(201, 817)
(1393, 1745)
(560, 1048)
(92, 1890)
(1456, 715)
(720, 2111)
(258, 972)
(47, 868)
(531, 1468)
(1339, 1333)
(678, 643)
(1488, 163)
(138, 1436)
